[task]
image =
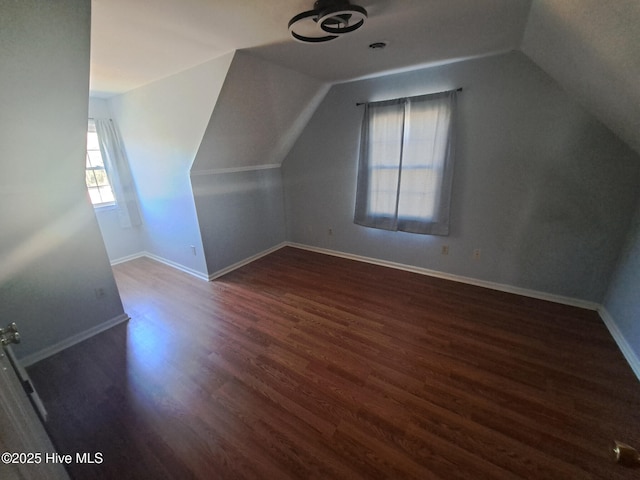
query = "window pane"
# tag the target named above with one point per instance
(94, 194)
(385, 154)
(90, 178)
(426, 133)
(106, 194)
(98, 183)
(101, 177)
(418, 194)
(383, 184)
(385, 136)
(92, 141)
(95, 158)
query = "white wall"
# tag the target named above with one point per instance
(540, 186)
(162, 125)
(98, 108)
(51, 253)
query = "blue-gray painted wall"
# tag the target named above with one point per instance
(52, 258)
(541, 187)
(241, 214)
(623, 298)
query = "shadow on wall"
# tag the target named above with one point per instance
(240, 214)
(570, 215)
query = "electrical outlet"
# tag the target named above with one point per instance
(445, 249)
(476, 254)
(100, 293)
(330, 232)
(193, 249)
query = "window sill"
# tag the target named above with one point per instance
(104, 208)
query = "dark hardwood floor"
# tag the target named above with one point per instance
(301, 365)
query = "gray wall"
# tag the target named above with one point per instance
(261, 109)
(592, 49)
(623, 298)
(238, 193)
(541, 187)
(241, 214)
(51, 253)
(162, 125)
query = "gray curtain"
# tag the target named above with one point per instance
(405, 170)
(117, 166)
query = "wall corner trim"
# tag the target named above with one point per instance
(176, 265)
(157, 258)
(117, 261)
(246, 261)
(72, 340)
(623, 345)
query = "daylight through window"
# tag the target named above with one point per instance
(406, 164)
(97, 179)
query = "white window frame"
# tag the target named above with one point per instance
(95, 168)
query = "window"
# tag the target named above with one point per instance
(406, 164)
(96, 176)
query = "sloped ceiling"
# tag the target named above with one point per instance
(592, 48)
(138, 41)
(135, 42)
(417, 33)
(261, 110)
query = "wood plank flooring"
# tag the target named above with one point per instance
(302, 365)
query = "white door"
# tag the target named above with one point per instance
(24, 444)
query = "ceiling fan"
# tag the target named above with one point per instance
(328, 20)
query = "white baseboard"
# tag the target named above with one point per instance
(73, 340)
(127, 258)
(79, 337)
(623, 345)
(632, 359)
(246, 261)
(157, 258)
(176, 265)
(196, 273)
(574, 302)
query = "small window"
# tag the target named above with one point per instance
(406, 164)
(98, 183)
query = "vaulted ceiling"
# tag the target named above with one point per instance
(591, 47)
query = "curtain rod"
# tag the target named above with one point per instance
(434, 93)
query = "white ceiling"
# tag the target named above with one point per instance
(590, 47)
(135, 42)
